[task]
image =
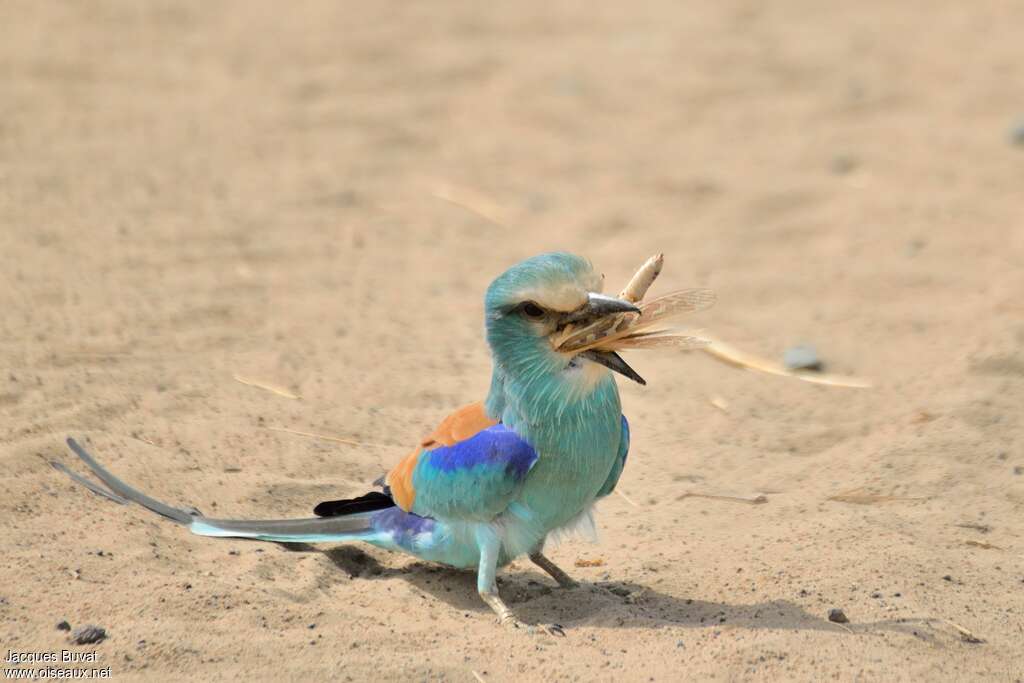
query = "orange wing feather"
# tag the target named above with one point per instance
(460, 425)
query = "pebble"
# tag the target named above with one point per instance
(1017, 134)
(802, 357)
(63, 626)
(837, 616)
(88, 634)
(843, 164)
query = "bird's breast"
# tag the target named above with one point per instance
(577, 451)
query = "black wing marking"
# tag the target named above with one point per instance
(374, 500)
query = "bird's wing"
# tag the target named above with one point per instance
(470, 467)
(460, 425)
(620, 462)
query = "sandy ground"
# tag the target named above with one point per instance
(316, 197)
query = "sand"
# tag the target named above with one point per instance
(313, 198)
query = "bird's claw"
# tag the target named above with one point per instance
(550, 629)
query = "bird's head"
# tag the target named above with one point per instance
(532, 302)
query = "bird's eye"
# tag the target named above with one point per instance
(532, 310)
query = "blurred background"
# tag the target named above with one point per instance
(222, 219)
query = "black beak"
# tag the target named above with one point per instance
(613, 361)
(598, 306)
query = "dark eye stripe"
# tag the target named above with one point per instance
(531, 310)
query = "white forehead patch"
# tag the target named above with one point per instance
(562, 297)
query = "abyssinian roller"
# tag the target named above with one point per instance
(497, 477)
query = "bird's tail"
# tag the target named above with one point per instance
(358, 526)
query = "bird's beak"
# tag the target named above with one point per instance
(600, 316)
(598, 306)
(614, 361)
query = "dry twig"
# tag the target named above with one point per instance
(859, 496)
(266, 386)
(758, 499)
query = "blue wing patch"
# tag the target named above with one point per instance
(620, 462)
(474, 479)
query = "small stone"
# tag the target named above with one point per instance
(837, 616)
(63, 626)
(915, 246)
(843, 164)
(802, 357)
(947, 577)
(1017, 134)
(85, 635)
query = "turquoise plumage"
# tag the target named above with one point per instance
(497, 478)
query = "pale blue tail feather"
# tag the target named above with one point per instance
(313, 530)
(310, 530)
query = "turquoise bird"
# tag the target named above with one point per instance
(497, 477)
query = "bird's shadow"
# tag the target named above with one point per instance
(621, 604)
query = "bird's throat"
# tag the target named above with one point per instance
(545, 408)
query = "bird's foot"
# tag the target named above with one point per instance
(507, 617)
(552, 629)
(512, 621)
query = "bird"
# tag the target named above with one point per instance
(497, 478)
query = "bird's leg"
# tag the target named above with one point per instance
(487, 583)
(556, 573)
(486, 579)
(494, 601)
